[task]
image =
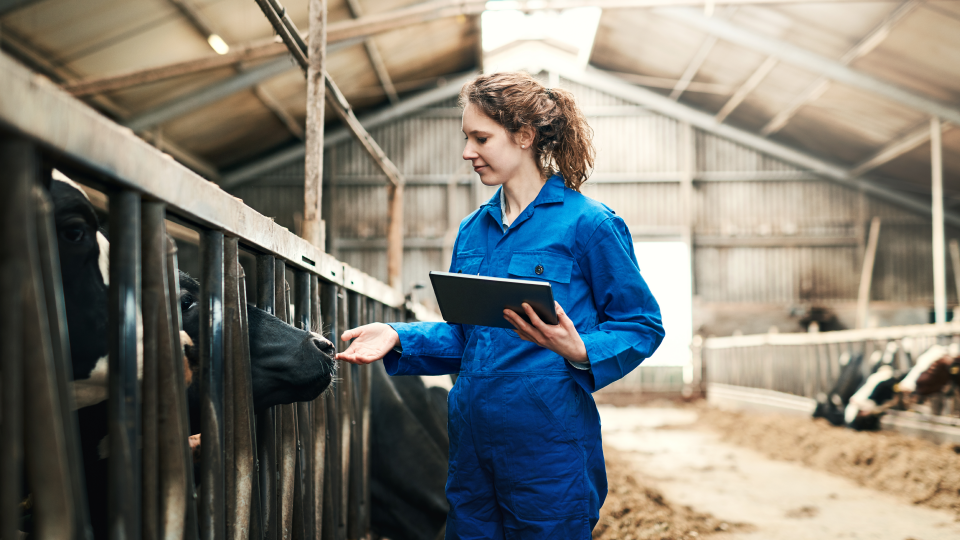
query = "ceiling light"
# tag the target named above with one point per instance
(218, 44)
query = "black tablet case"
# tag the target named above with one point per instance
(480, 300)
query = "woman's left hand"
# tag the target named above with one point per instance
(562, 338)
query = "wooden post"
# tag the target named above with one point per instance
(312, 229)
(939, 259)
(395, 235)
(866, 275)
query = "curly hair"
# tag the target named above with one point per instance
(562, 138)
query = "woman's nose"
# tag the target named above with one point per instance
(468, 152)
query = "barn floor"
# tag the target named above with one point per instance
(741, 491)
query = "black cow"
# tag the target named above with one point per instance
(409, 453)
(287, 364)
(833, 404)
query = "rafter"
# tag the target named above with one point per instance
(896, 148)
(693, 67)
(748, 86)
(373, 53)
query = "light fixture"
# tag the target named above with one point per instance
(218, 44)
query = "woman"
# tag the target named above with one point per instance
(525, 454)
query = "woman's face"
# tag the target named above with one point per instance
(496, 156)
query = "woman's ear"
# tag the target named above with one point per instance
(525, 137)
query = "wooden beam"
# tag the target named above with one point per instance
(896, 149)
(312, 229)
(662, 82)
(863, 47)
(277, 109)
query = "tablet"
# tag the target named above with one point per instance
(480, 300)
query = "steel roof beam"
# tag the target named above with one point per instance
(864, 46)
(800, 57)
(209, 94)
(896, 149)
(604, 82)
(286, 156)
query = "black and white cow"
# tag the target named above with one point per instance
(287, 364)
(878, 392)
(831, 406)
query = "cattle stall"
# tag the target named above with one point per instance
(792, 373)
(292, 471)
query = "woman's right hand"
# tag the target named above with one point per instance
(371, 342)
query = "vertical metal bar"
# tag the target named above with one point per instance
(366, 386)
(60, 345)
(248, 469)
(155, 303)
(238, 399)
(345, 401)
(161, 309)
(19, 170)
(178, 438)
(124, 298)
(939, 257)
(312, 229)
(318, 430)
(211, 386)
(355, 471)
(304, 311)
(332, 498)
(286, 423)
(266, 420)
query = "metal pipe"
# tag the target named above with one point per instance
(249, 467)
(155, 304)
(234, 523)
(939, 257)
(124, 405)
(344, 399)
(304, 311)
(332, 491)
(355, 470)
(19, 167)
(211, 386)
(191, 524)
(266, 420)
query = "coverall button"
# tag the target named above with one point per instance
(538, 269)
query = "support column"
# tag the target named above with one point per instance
(939, 258)
(312, 229)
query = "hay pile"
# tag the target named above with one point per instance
(921, 471)
(636, 511)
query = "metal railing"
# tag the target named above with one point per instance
(808, 365)
(291, 471)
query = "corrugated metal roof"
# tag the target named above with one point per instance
(845, 125)
(72, 40)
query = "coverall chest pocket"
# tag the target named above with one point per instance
(468, 263)
(554, 268)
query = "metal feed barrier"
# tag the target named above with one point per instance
(294, 471)
(788, 373)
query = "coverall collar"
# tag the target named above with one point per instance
(551, 192)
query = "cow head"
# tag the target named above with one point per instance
(84, 256)
(287, 364)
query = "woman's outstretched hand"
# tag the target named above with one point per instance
(371, 342)
(562, 338)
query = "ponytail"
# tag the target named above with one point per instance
(562, 138)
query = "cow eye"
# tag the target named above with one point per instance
(186, 302)
(74, 233)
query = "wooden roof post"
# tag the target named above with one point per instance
(312, 229)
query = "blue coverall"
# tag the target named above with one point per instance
(525, 454)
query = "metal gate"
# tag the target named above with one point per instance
(293, 471)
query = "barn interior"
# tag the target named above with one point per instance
(789, 171)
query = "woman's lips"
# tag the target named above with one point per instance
(476, 168)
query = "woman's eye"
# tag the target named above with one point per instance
(74, 233)
(481, 140)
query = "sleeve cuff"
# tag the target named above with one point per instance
(577, 365)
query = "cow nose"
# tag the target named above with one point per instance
(323, 346)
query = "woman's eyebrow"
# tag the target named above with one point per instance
(477, 132)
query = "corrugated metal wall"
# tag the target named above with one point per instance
(763, 231)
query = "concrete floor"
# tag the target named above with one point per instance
(783, 501)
